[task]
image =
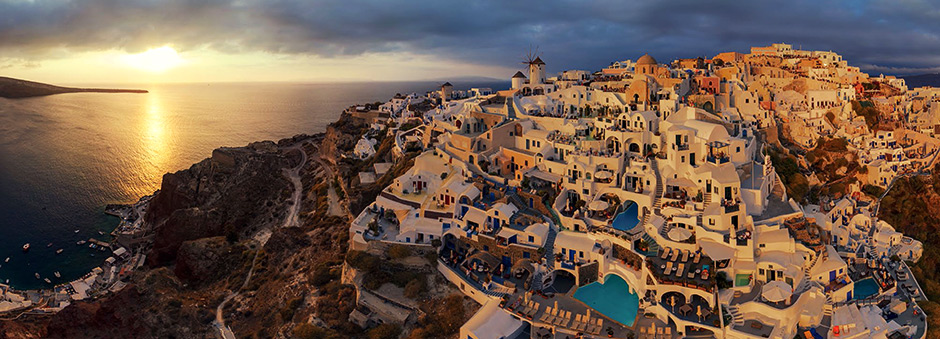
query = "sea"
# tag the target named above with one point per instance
(64, 157)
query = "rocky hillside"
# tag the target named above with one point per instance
(207, 222)
(16, 88)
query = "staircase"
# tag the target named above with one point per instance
(708, 198)
(737, 317)
(658, 193)
(654, 246)
(550, 246)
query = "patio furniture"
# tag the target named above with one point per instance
(545, 316)
(685, 256)
(675, 255)
(665, 254)
(668, 268)
(698, 257)
(680, 270)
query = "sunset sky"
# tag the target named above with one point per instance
(136, 41)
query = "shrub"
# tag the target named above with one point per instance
(397, 251)
(416, 288)
(322, 275)
(362, 261)
(384, 331)
(309, 331)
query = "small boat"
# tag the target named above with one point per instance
(48, 281)
(59, 251)
(101, 232)
(102, 248)
(8, 281)
(49, 245)
(25, 247)
(57, 275)
(76, 231)
(92, 245)
(37, 275)
(80, 242)
(8, 259)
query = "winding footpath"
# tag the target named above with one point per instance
(291, 220)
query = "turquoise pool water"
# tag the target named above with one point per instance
(612, 299)
(627, 219)
(865, 288)
(741, 280)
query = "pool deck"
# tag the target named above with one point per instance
(565, 302)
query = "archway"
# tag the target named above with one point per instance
(634, 147)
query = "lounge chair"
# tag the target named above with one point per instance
(566, 320)
(553, 316)
(680, 270)
(665, 253)
(667, 331)
(545, 316)
(685, 256)
(659, 331)
(668, 269)
(599, 327)
(698, 257)
(675, 255)
(577, 322)
(534, 310)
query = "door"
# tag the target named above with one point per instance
(708, 186)
(571, 255)
(728, 193)
(832, 275)
(692, 159)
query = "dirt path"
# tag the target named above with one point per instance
(294, 175)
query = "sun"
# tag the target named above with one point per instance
(155, 60)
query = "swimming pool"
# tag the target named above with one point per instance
(741, 280)
(865, 288)
(627, 219)
(612, 299)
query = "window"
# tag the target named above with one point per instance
(761, 271)
(531, 239)
(526, 255)
(580, 254)
(486, 248)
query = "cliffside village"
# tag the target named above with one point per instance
(642, 200)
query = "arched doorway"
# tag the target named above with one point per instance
(635, 147)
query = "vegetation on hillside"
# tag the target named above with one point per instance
(912, 206)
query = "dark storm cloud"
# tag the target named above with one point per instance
(888, 35)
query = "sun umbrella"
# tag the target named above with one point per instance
(775, 291)
(679, 234)
(598, 205)
(698, 312)
(602, 175)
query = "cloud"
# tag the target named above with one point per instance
(881, 34)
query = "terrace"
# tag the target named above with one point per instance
(718, 152)
(695, 309)
(556, 313)
(681, 267)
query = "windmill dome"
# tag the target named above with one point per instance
(519, 75)
(646, 59)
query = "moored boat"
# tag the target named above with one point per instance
(48, 281)
(59, 251)
(57, 274)
(37, 275)
(25, 247)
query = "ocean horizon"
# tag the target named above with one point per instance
(63, 158)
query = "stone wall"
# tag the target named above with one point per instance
(587, 273)
(514, 251)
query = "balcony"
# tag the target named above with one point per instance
(718, 159)
(682, 147)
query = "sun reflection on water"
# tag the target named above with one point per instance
(155, 145)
